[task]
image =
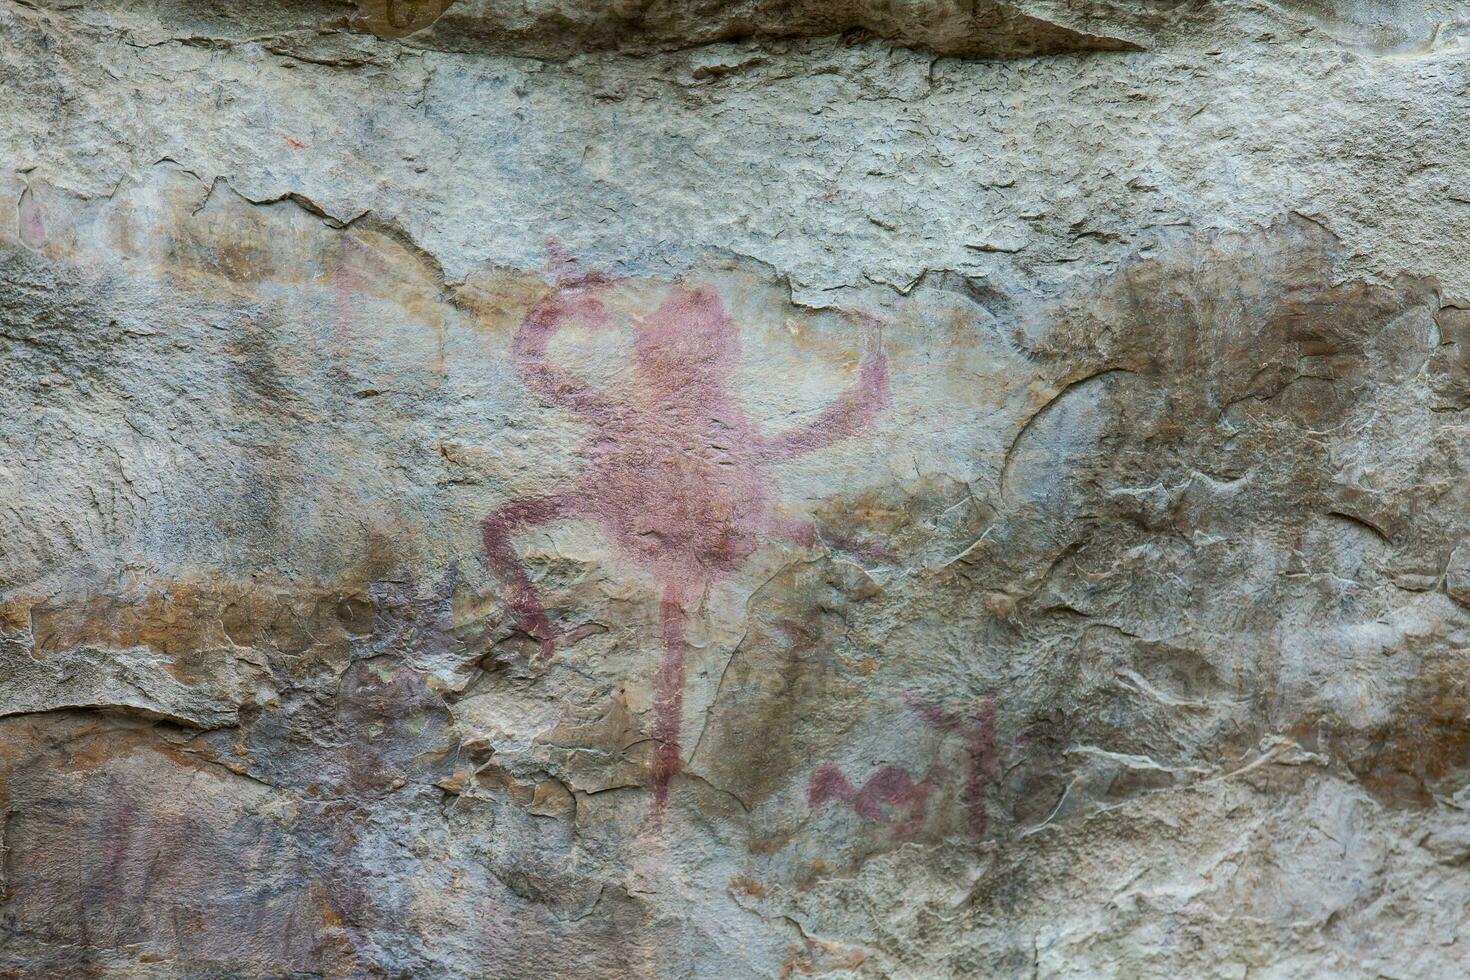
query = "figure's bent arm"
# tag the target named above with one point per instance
(499, 529)
(850, 413)
(550, 314)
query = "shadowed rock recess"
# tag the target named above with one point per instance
(734, 488)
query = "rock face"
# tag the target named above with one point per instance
(734, 489)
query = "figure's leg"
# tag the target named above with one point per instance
(498, 530)
(982, 768)
(668, 696)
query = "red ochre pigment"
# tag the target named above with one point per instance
(677, 473)
(893, 788)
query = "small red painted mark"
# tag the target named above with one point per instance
(358, 266)
(32, 220)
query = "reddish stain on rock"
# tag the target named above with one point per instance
(677, 473)
(32, 220)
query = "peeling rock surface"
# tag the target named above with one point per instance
(737, 488)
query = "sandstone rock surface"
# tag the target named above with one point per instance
(734, 488)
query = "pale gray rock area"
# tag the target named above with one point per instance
(735, 488)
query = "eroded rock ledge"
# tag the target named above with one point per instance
(965, 28)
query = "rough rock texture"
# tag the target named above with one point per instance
(734, 488)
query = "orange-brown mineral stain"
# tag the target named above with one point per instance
(398, 18)
(748, 887)
(187, 623)
(1422, 754)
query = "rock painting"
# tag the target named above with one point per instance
(888, 789)
(677, 475)
(892, 796)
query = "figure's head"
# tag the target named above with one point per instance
(689, 334)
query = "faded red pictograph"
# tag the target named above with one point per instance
(890, 788)
(677, 475)
(32, 220)
(892, 796)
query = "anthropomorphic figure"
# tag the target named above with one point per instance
(677, 475)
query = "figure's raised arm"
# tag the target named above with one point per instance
(852, 411)
(569, 301)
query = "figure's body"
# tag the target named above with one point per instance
(675, 471)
